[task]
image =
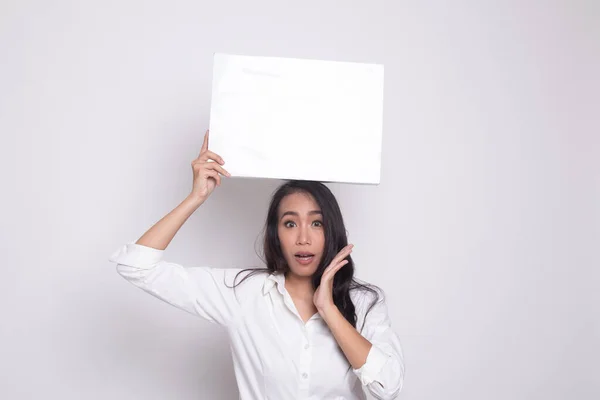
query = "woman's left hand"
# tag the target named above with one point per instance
(323, 297)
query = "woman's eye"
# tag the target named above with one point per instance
(318, 223)
(289, 224)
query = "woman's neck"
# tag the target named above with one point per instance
(299, 285)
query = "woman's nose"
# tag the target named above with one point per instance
(303, 236)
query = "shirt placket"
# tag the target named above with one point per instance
(305, 360)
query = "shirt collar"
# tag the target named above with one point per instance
(278, 279)
(274, 279)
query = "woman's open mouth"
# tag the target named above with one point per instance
(304, 258)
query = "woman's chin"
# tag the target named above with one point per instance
(303, 270)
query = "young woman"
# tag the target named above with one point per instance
(301, 328)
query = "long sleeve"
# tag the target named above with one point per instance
(383, 372)
(200, 291)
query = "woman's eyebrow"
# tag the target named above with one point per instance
(294, 213)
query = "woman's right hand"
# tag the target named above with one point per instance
(207, 168)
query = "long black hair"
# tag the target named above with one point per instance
(335, 240)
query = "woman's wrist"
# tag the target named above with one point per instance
(194, 200)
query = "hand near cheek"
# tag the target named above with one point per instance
(323, 297)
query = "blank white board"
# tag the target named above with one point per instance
(288, 118)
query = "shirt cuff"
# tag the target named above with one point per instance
(137, 255)
(376, 359)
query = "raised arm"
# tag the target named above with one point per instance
(198, 290)
(206, 169)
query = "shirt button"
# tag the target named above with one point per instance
(305, 375)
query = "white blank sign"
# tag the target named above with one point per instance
(286, 118)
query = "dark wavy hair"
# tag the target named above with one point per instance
(335, 240)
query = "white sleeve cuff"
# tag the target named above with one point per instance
(376, 359)
(137, 255)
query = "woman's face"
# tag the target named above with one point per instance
(301, 234)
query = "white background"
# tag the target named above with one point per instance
(484, 231)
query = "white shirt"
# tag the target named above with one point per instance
(275, 354)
